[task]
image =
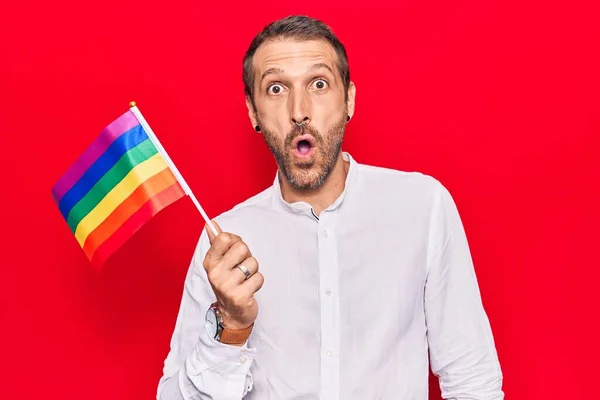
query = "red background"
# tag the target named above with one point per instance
(499, 100)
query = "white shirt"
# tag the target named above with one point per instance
(353, 302)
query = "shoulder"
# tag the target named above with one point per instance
(240, 219)
(394, 182)
(248, 212)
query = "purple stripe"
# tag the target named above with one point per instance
(108, 135)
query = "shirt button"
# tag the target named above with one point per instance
(328, 292)
(329, 352)
(326, 233)
(243, 359)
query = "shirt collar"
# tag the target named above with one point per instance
(303, 207)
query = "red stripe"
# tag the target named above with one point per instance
(147, 190)
(135, 222)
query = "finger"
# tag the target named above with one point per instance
(254, 283)
(251, 264)
(221, 246)
(237, 253)
(211, 235)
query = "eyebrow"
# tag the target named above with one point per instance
(320, 66)
(275, 70)
(271, 71)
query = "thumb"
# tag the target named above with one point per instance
(211, 235)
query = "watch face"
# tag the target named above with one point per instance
(211, 323)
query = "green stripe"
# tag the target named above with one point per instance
(113, 176)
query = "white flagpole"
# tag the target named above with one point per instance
(170, 163)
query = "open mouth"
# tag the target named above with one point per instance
(305, 145)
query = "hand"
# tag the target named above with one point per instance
(235, 294)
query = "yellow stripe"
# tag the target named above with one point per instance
(118, 194)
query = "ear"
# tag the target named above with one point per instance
(351, 98)
(251, 112)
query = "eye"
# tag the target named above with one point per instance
(275, 89)
(320, 84)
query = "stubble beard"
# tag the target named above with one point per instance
(307, 175)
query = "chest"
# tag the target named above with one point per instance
(328, 269)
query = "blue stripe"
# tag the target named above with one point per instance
(103, 164)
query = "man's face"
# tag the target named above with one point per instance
(298, 82)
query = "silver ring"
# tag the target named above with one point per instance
(243, 268)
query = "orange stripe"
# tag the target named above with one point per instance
(137, 220)
(127, 208)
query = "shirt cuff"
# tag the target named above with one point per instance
(224, 358)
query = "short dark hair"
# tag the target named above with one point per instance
(298, 27)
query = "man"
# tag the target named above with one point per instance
(364, 272)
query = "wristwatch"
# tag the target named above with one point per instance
(218, 331)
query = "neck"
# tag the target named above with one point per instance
(323, 196)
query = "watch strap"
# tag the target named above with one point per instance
(235, 336)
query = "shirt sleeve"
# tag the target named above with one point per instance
(197, 366)
(461, 345)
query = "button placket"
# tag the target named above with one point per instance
(330, 335)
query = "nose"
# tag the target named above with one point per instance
(300, 108)
(303, 121)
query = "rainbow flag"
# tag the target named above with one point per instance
(118, 184)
